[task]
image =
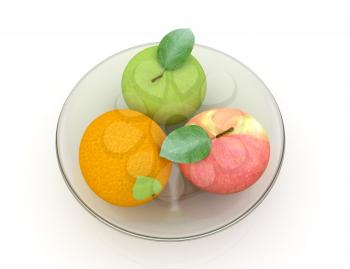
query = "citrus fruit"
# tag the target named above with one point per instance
(119, 158)
(170, 99)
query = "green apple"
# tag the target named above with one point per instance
(169, 96)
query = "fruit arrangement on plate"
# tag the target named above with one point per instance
(125, 156)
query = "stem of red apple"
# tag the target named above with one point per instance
(157, 77)
(224, 132)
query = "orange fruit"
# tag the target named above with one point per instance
(119, 158)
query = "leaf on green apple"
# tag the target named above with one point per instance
(174, 48)
(187, 144)
(146, 187)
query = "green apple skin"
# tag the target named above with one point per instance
(171, 99)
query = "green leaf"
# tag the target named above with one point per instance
(174, 48)
(187, 144)
(146, 187)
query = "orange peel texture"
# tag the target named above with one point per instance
(117, 147)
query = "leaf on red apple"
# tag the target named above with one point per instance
(146, 187)
(187, 144)
(174, 48)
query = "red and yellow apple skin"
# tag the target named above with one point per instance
(237, 159)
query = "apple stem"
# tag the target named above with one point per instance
(225, 132)
(158, 77)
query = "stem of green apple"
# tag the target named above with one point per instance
(157, 77)
(224, 132)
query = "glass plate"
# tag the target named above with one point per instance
(182, 211)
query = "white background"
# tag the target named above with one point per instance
(299, 48)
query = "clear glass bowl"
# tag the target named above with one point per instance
(182, 211)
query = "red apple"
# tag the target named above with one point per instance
(239, 155)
